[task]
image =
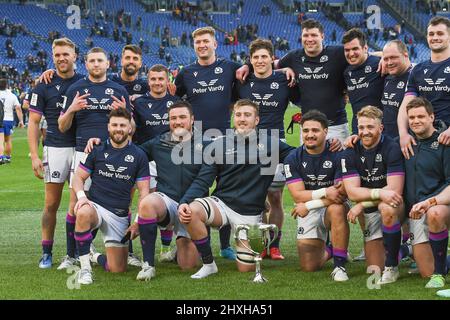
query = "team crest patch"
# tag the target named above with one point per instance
(400, 85)
(274, 85)
(324, 58)
(129, 158)
(137, 87)
(434, 145)
(327, 164)
(378, 158)
(56, 174)
(366, 233)
(218, 70)
(368, 69)
(169, 103)
(109, 91)
(301, 230)
(447, 69)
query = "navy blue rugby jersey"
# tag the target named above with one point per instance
(393, 93)
(375, 165)
(321, 82)
(93, 121)
(48, 100)
(364, 86)
(272, 95)
(138, 86)
(114, 172)
(432, 81)
(151, 116)
(315, 170)
(209, 89)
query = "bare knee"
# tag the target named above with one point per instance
(434, 218)
(388, 214)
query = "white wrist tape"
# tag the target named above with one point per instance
(319, 194)
(80, 194)
(136, 219)
(314, 204)
(375, 194)
(369, 204)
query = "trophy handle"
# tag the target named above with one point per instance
(267, 228)
(239, 228)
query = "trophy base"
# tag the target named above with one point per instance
(259, 278)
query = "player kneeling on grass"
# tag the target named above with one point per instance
(244, 163)
(114, 167)
(427, 198)
(373, 175)
(314, 180)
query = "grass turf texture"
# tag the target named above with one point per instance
(21, 202)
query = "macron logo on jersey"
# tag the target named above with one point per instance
(208, 86)
(313, 74)
(434, 85)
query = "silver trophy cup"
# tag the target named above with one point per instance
(258, 237)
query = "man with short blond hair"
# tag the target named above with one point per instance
(373, 174)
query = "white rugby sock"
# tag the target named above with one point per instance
(205, 270)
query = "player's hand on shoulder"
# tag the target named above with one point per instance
(406, 142)
(351, 141)
(46, 76)
(444, 137)
(242, 73)
(92, 142)
(38, 167)
(299, 210)
(290, 76)
(335, 145)
(184, 213)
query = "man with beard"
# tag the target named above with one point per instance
(430, 79)
(86, 107)
(114, 167)
(313, 177)
(47, 100)
(373, 175)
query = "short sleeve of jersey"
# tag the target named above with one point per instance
(395, 163)
(179, 83)
(88, 164)
(286, 60)
(411, 88)
(348, 164)
(291, 168)
(36, 99)
(143, 172)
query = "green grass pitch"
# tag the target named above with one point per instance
(21, 202)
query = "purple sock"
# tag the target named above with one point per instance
(204, 247)
(339, 257)
(166, 237)
(84, 240)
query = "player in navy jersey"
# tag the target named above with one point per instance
(270, 91)
(398, 66)
(373, 175)
(430, 79)
(114, 167)
(47, 100)
(150, 113)
(314, 180)
(427, 176)
(364, 83)
(207, 85)
(240, 163)
(318, 69)
(128, 77)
